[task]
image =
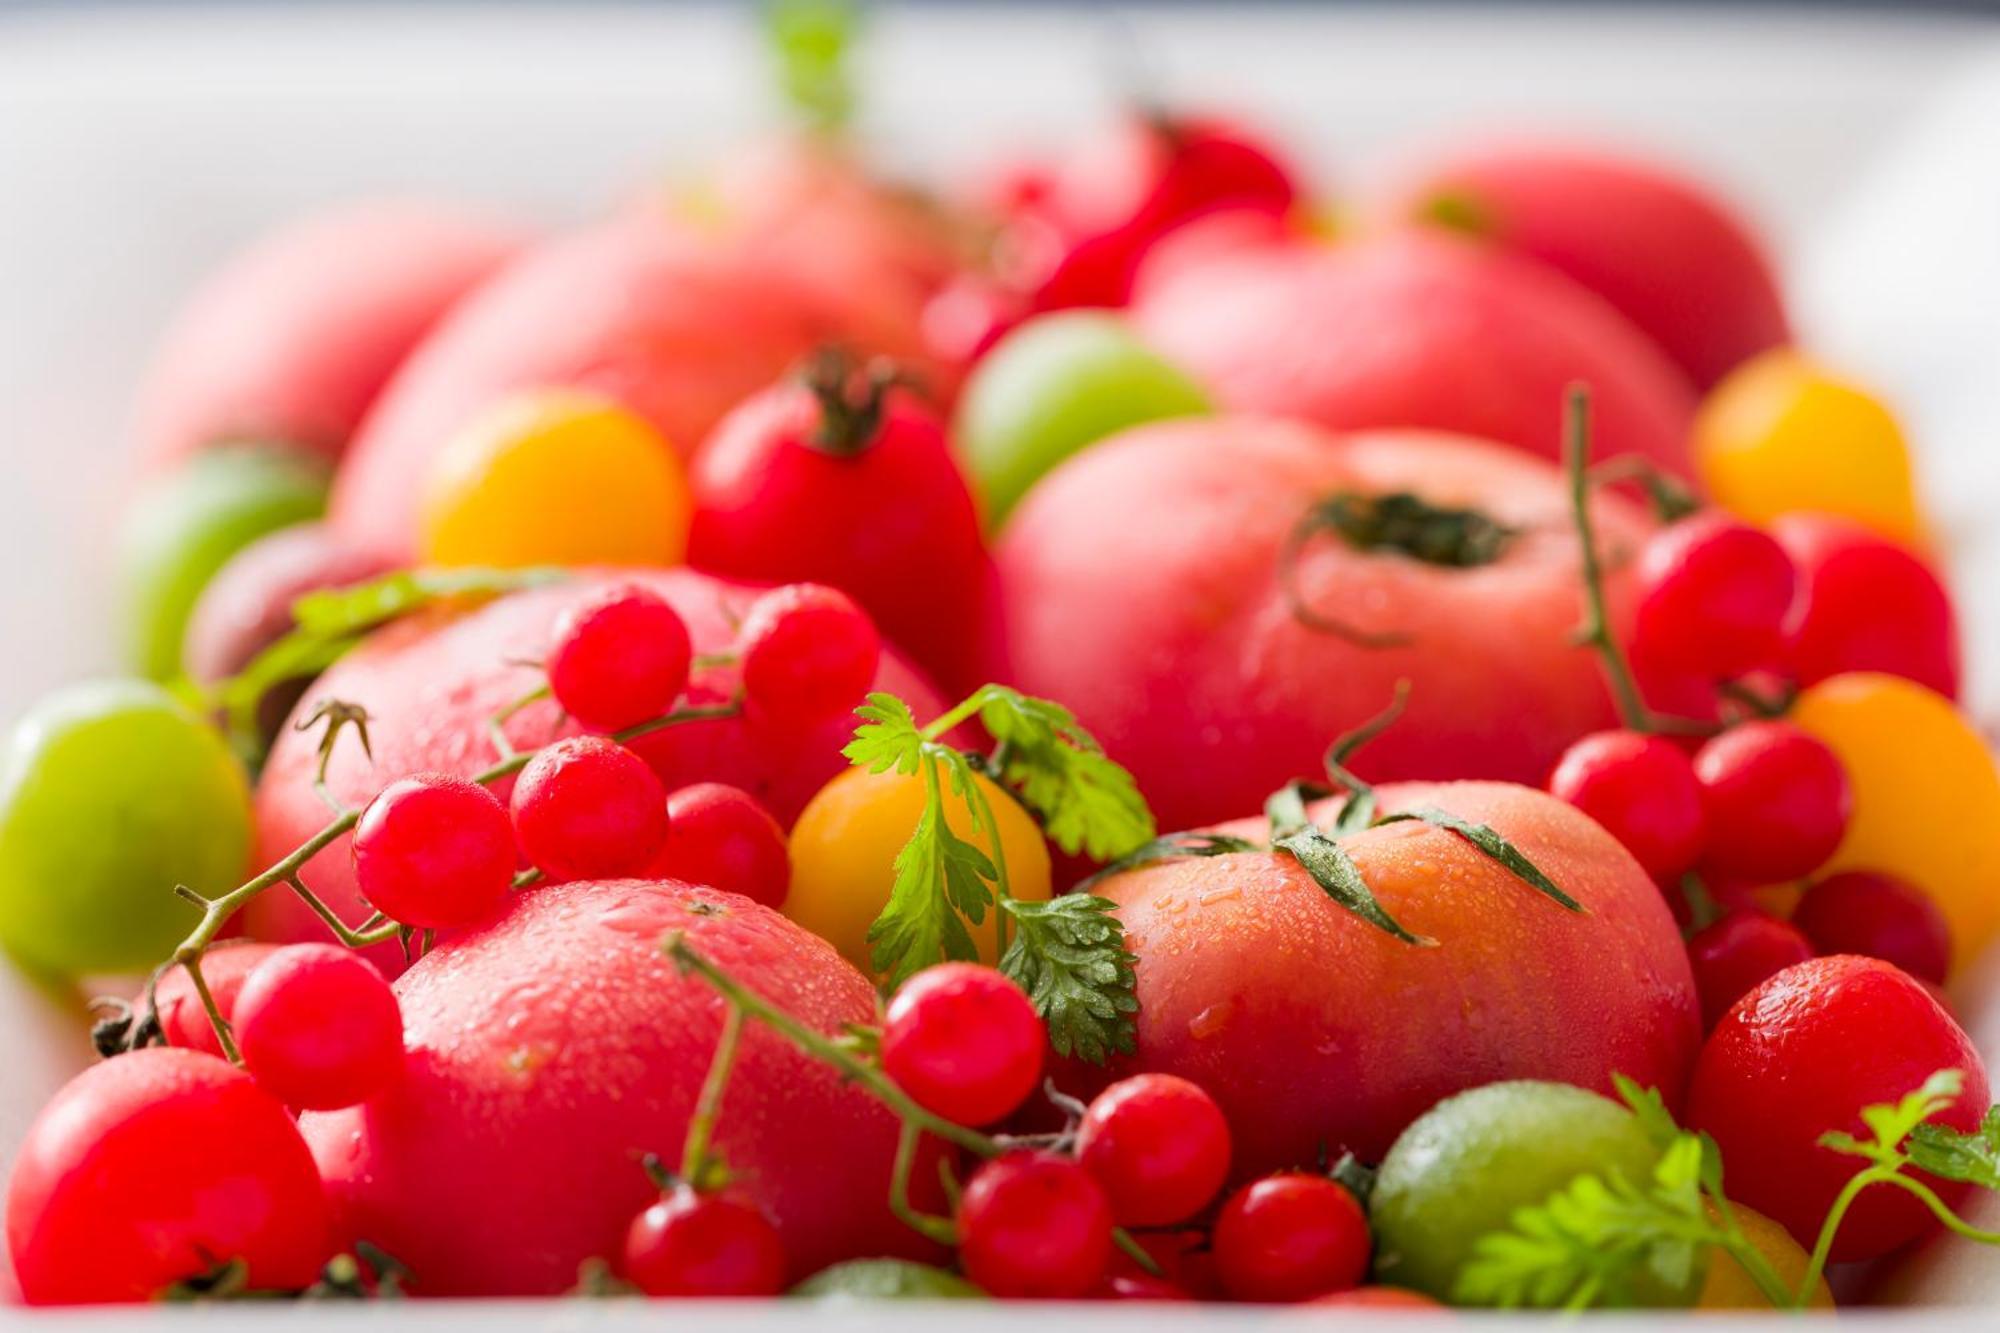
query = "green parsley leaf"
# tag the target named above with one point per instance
(940, 889)
(1600, 1241)
(1335, 872)
(1890, 1124)
(330, 623)
(1069, 955)
(1954, 1155)
(1086, 802)
(1491, 843)
(887, 737)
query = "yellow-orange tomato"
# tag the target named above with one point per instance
(844, 854)
(1781, 433)
(1728, 1286)
(556, 478)
(1926, 794)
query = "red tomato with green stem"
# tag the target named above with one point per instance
(844, 478)
(156, 1167)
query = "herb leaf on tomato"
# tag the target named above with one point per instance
(1069, 955)
(1335, 872)
(1953, 1155)
(1489, 841)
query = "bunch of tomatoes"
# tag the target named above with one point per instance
(592, 634)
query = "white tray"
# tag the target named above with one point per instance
(140, 143)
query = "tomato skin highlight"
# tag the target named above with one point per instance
(154, 1167)
(1799, 1057)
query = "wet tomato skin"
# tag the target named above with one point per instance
(1800, 1056)
(155, 1167)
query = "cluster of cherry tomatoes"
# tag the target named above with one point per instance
(435, 851)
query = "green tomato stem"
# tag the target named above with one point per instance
(1596, 630)
(695, 1157)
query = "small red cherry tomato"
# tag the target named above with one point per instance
(1158, 1145)
(720, 836)
(1033, 1224)
(434, 851)
(704, 1245)
(1714, 594)
(965, 1042)
(809, 653)
(1776, 799)
(319, 1027)
(1642, 789)
(1733, 955)
(1866, 603)
(1877, 916)
(621, 656)
(588, 808)
(1800, 1057)
(1291, 1237)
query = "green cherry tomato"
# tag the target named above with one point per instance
(886, 1279)
(184, 528)
(111, 793)
(1050, 387)
(1462, 1168)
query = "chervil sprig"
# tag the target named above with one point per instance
(1068, 955)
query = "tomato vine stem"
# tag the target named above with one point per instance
(916, 1120)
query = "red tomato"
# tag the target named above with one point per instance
(675, 323)
(817, 483)
(294, 337)
(552, 1047)
(1673, 259)
(1417, 329)
(1317, 1031)
(1291, 1237)
(156, 1167)
(1867, 604)
(1800, 1057)
(1166, 622)
(183, 1019)
(430, 683)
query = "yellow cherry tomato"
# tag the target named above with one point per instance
(556, 478)
(1781, 434)
(1729, 1287)
(844, 850)
(1926, 795)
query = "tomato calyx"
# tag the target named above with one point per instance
(367, 1272)
(851, 400)
(1398, 523)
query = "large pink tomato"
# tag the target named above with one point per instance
(1417, 329)
(291, 340)
(676, 325)
(1317, 1031)
(1674, 259)
(1170, 586)
(430, 684)
(553, 1047)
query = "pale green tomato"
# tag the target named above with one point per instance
(1463, 1168)
(111, 793)
(186, 525)
(1055, 384)
(886, 1279)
